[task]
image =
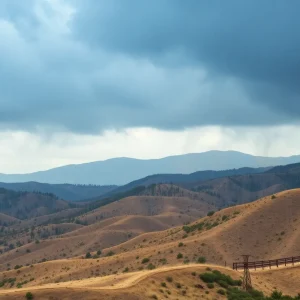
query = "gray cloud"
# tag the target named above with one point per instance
(166, 64)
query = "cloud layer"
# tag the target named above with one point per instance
(87, 66)
(27, 152)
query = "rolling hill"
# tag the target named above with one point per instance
(69, 192)
(111, 171)
(24, 205)
(177, 283)
(104, 227)
(137, 266)
(184, 179)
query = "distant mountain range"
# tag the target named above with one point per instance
(76, 192)
(182, 179)
(120, 171)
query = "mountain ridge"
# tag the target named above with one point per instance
(120, 171)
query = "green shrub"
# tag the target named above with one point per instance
(201, 260)
(126, 270)
(17, 267)
(221, 292)
(150, 266)
(197, 226)
(88, 255)
(29, 296)
(178, 285)
(179, 256)
(186, 228)
(210, 213)
(99, 252)
(110, 253)
(208, 277)
(180, 244)
(220, 278)
(145, 260)
(169, 279)
(223, 284)
(210, 285)
(237, 294)
(224, 218)
(163, 261)
(163, 284)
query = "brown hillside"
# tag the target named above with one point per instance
(266, 229)
(245, 188)
(121, 221)
(6, 220)
(269, 227)
(145, 284)
(185, 202)
(220, 239)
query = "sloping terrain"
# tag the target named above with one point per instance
(6, 220)
(156, 199)
(233, 190)
(270, 227)
(226, 191)
(69, 192)
(185, 178)
(177, 282)
(266, 229)
(102, 228)
(23, 205)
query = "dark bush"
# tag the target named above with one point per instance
(145, 260)
(210, 285)
(110, 253)
(201, 260)
(221, 292)
(150, 266)
(29, 296)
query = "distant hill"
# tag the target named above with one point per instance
(23, 205)
(222, 188)
(70, 192)
(233, 190)
(120, 171)
(182, 179)
(292, 168)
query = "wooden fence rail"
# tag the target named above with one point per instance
(266, 263)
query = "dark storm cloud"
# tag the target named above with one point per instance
(165, 64)
(253, 40)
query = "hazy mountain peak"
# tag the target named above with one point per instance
(123, 170)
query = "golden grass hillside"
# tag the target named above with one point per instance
(110, 225)
(177, 282)
(267, 228)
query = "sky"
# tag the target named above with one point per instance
(87, 80)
